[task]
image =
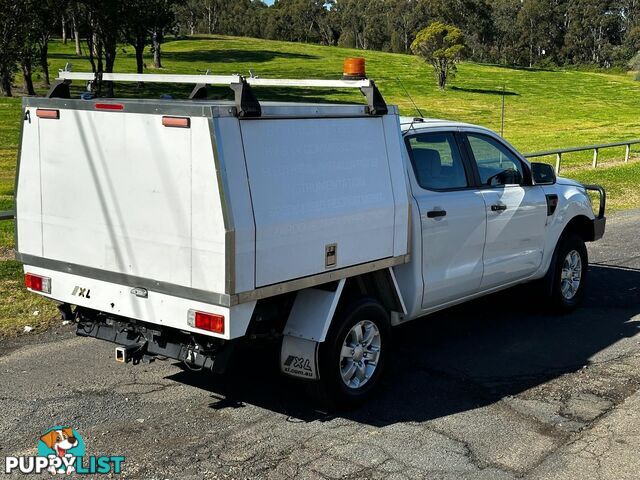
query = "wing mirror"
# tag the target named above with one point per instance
(543, 174)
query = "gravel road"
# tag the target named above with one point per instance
(490, 390)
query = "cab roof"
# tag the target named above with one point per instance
(417, 123)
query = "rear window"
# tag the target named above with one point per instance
(437, 163)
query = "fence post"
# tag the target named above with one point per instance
(595, 157)
(558, 161)
(627, 154)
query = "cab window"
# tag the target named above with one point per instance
(437, 162)
(497, 165)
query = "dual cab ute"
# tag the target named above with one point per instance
(181, 227)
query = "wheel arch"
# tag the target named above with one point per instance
(581, 225)
(380, 285)
(314, 309)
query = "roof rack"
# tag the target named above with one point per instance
(247, 104)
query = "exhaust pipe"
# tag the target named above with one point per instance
(126, 353)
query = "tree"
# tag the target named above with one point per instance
(442, 46)
(28, 45)
(9, 43)
(402, 23)
(634, 65)
(352, 23)
(594, 30)
(75, 24)
(102, 25)
(136, 29)
(161, 16)
(506, 46)
(542, 28)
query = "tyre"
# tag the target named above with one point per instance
(352, 358)
(570, 273)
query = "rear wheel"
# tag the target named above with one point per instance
(570, 274)
(353, 356)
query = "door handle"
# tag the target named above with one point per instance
(437, 214)
(499, 207)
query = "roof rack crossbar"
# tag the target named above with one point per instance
(246, 102)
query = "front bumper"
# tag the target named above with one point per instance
(599, 226)
(600, 222)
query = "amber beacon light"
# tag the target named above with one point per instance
(354, 69)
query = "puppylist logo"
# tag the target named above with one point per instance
(62, 450)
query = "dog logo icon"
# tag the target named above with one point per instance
(61, 450)
(62, 442)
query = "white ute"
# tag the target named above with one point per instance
(179, 227)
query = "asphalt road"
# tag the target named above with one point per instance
(496, 389)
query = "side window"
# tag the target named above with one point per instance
(436, 161)
(497, 165)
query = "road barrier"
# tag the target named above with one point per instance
(596, 151)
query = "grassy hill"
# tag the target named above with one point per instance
(545, 109)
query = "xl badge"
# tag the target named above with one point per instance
(81, 292)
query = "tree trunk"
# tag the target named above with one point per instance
(139, 47)
(6, 84)
(44, 64)
(442, 81)
(26, 75)
(64, 29)
(76, 35)
(91, 48)
(157, 54)
(109, 60)
(441, 73)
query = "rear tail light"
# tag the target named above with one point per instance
(48, 113)
(178, 122)
(206, 321)
(37, 283)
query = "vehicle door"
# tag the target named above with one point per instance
(516, 211)
(452, 216)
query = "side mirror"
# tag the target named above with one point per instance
(543, 174)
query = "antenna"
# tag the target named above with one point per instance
(409, 96)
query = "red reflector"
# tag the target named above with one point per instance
(179, 122)
(37, 283)
(48, 113)
(209, 321)
(109, 106)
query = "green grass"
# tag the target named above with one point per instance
(18, 307)
(545, 109)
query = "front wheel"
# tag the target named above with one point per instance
(570, 273)
(352, 358)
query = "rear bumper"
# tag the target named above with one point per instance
(144, 341)
(132, 301)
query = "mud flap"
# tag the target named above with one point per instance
(299, 357)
